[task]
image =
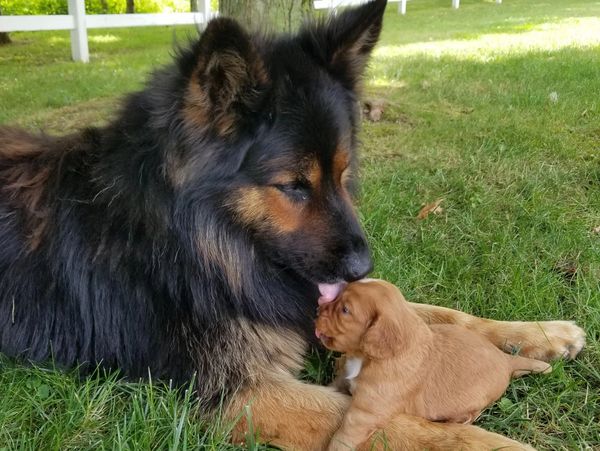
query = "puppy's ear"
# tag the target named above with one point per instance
(343, 43)
(229, 80)
(380, 340)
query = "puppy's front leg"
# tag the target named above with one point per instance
(540, 340)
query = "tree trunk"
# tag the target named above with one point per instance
(267, 15)
(194, 6)
(104, 5)
(130, 7)
(4, 37)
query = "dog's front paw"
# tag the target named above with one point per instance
(550, 340)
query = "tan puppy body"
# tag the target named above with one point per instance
(397, 364)
(467, 374)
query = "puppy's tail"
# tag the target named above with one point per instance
(522, 366)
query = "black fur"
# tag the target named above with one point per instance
(118, 245)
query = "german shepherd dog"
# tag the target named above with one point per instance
(195, 232)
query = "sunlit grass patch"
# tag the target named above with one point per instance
(104, 38)
(573, 33)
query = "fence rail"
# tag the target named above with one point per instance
(332, 4)
(78, 22)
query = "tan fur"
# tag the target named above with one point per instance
(298, 416)
(240, 78)
(24, 173)
(212, 249)
(439, 372)
(293, 415)
(314, 174)
(16, 144)
(262, 352)
(27, 187)
(341, 167)
(268, 207)
(541, 340)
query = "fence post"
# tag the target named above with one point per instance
(204, 7)
(455, 4)
(79, 40)
(402, 7)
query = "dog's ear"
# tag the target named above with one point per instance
(380, 340)
(343, 43)
(229, 80)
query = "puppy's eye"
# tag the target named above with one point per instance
(296, 191)
(345, 310)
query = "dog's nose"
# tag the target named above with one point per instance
(357, 266)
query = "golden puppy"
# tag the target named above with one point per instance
(395, 363)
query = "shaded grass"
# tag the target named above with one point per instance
(49, 411)
(38, 75)
(471, 119)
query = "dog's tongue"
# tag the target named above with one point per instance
(329, 291)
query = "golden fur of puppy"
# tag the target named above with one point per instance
(396, 363)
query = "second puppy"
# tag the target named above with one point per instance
(396, 363)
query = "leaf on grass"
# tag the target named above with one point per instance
(567, 268)
(433, 207)
(373, 109)
(596, 229)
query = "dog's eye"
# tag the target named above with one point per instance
(296, 191)
(345, 310)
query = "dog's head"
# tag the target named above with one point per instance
(271, 126)
(367, 318)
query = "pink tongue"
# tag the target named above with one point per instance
(329, 291)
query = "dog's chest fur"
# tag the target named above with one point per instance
(353, 367)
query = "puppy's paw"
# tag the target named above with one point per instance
(544, 368)
(549, 340)
(532, 367)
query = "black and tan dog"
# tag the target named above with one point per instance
(194, 232)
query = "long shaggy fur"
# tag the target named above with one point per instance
(144, 245)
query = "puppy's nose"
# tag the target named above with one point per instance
(357, 265)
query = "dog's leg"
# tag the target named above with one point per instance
(359, 423)
(290, 414)
(540, 340)
(522, 366)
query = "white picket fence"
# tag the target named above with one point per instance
(332, 4)
(79, 22)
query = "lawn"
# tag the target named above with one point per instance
(494, 108)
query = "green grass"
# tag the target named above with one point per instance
(471, 119)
